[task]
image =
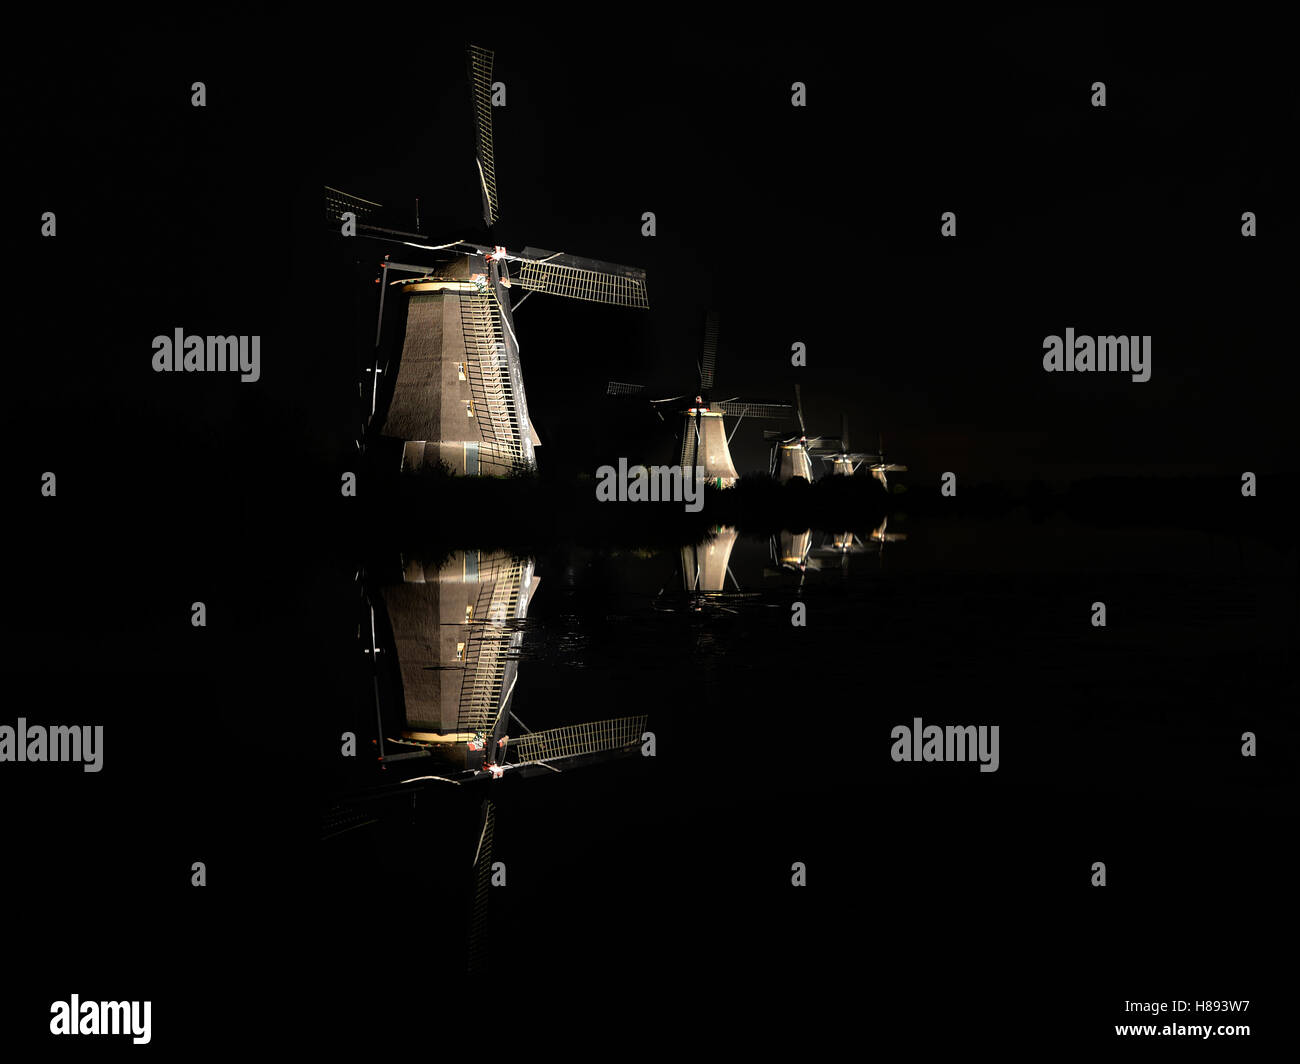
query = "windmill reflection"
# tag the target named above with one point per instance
(443, 641)
(706, 565)
(455, 628)
(445, 644)
(842, 545)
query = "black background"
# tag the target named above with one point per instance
(819, 225)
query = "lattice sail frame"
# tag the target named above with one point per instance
(337, 202)
(737, 408)
(576, 740)
(490, 639)
(488, 373)
(710, 354)
(480, 80)
(479, 931)
(576, 282)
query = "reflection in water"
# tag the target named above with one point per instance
(790, 549)
(454, 631)
(841, 545)
(444, 644)
(593, 641)
(794, 552)
(705, 565)
(708, 569)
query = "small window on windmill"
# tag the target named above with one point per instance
(469, 407)
(460, 370)
(469, 613)
(460, 651)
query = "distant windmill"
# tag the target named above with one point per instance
(792, 456)
(704, 440)
(843, 460)
(459, 393)
(880, 467)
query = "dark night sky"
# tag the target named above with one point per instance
(818, 225)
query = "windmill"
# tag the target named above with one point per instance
(843, 460)
(704, 439)
(880, 467)
(458, 397)
(792, 456)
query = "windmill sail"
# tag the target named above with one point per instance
(739, 408)
(578, 278)
(480, 79)
(579, 740)
(709, 357)
(487, 367)
(338, 203)
(480, 915)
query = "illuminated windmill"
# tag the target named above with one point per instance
(792, 456)
(844, 461)
(879, 467)
(459, 395)
(704, 440)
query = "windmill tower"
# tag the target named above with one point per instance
(458, 396)
(704, 438)
(792, 456)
